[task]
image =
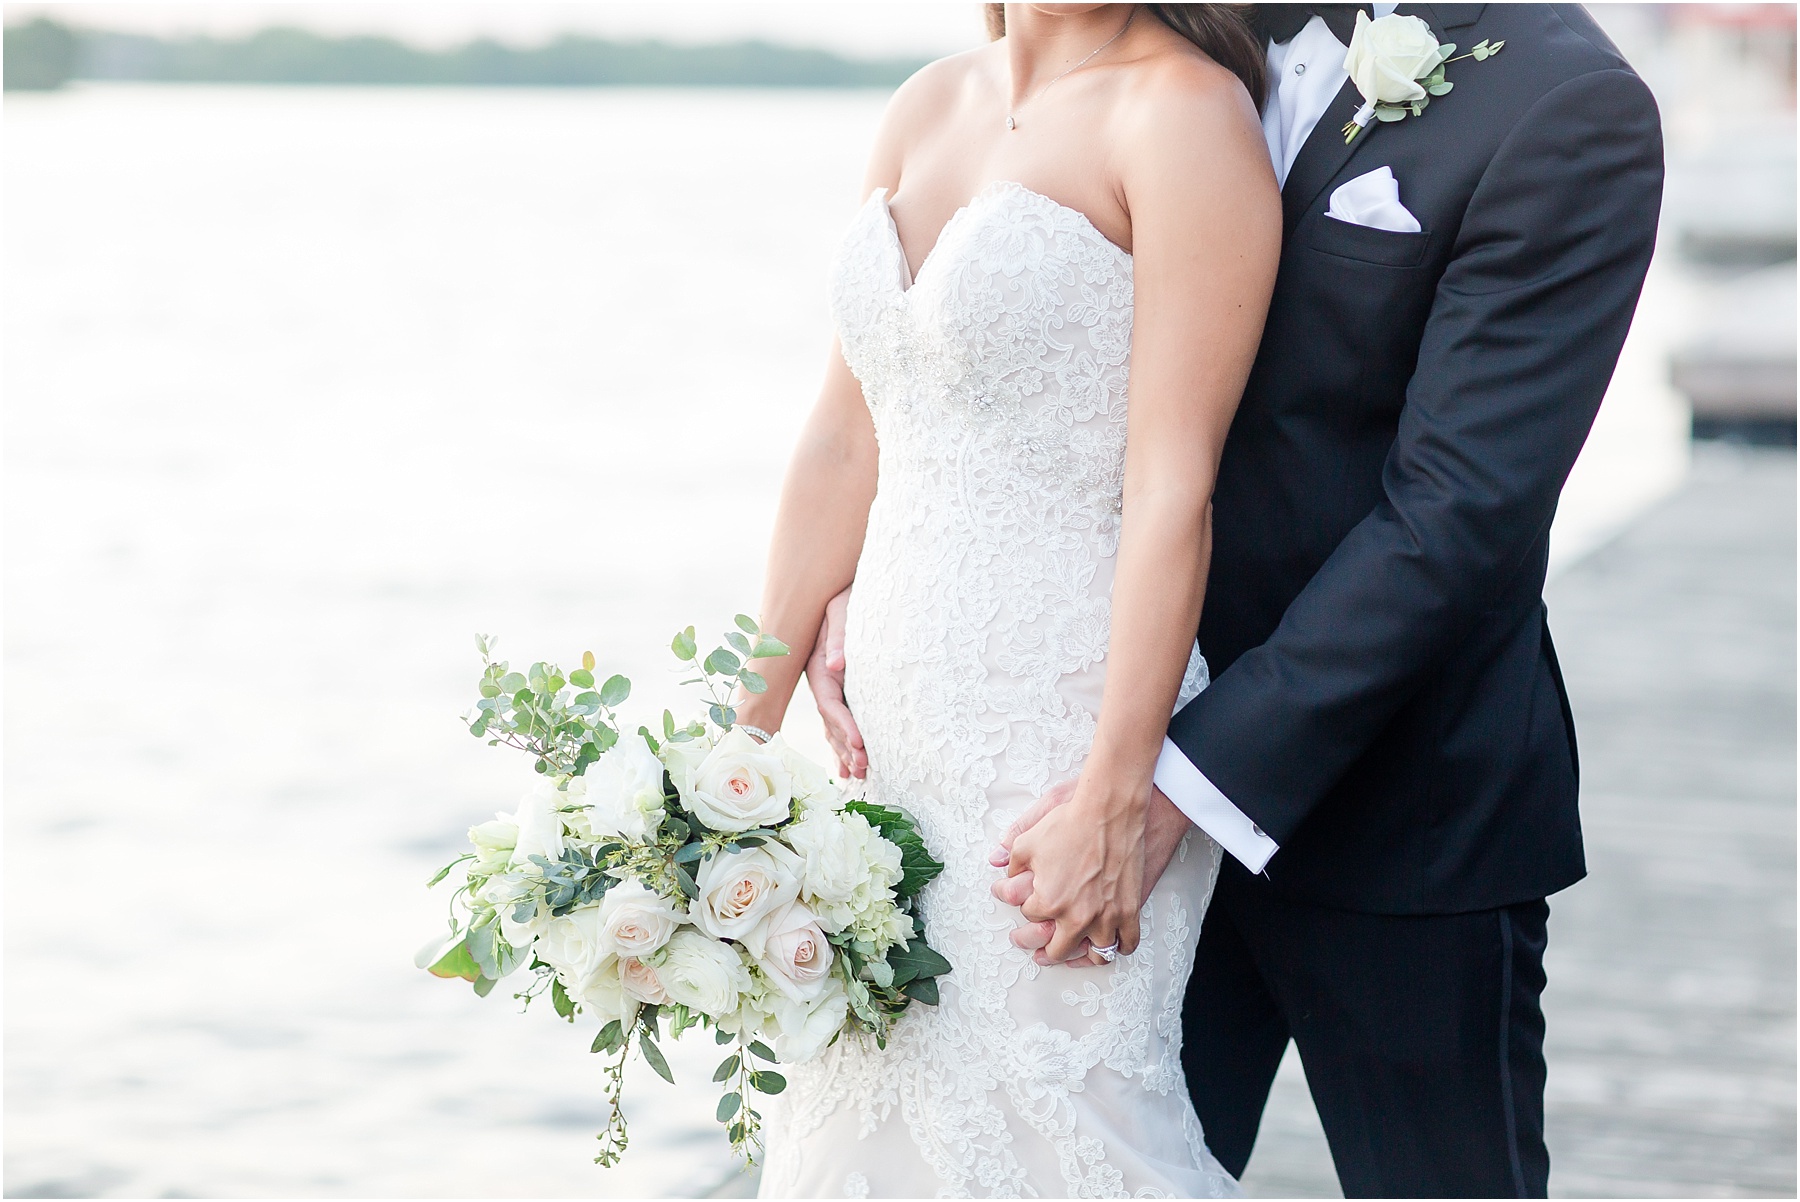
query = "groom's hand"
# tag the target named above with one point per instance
(1164, 828)
(825, 677)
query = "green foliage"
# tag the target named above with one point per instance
(297, 56)
(40, 56)
(537, 712)
(918, 866)
(457, 963)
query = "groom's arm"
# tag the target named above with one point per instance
(1522, 339)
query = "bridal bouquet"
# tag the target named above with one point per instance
(655, 883)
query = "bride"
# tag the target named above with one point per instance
(1087, 201)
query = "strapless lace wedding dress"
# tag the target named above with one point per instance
(976, 654)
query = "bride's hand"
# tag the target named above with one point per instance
(1087, 864)
(1166, 827)
(825, 677)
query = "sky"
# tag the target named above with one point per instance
(857, 27)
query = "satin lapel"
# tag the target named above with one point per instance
(1325, 154)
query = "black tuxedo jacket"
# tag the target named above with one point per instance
(1386, 701)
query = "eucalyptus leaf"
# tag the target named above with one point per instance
(746, 624)
(727, 1066)
(683, 644)
(738, 643)
(752, 681)
(722, 662)
(653, 1056)
(614, 691)
(766, 1081)
(728, 1106)
(581, 678)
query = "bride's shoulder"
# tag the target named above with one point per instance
(1176, 81)
(932, 96)
(1175, 98)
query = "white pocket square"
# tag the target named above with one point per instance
(1373, 200)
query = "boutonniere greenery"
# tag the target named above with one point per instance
(1398, 65)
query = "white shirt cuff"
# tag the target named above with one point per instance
(1211, 810)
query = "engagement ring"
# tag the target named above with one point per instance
(1109, 953)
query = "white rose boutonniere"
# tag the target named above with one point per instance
(1397, 63)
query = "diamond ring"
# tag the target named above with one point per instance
(1109, 953)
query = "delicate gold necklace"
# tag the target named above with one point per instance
(1012, 118)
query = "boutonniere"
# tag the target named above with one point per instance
(1398, 66)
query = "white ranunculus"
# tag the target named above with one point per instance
(1389, 55)
(641, 982)
(539, 820)
(603, 992)
(805, 1028)
(635, 921)
(795, 958)
(494, 842)
(839, 850)
(739, 785)
(624, 792)
(702, 974)
(737, 889)
(576, 944)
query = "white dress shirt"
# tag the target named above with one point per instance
(1305, 75)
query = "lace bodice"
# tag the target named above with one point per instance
(976, 650)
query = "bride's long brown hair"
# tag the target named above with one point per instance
(1223, 31)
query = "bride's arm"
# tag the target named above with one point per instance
(818, 534)
(831, 478)
(1206, 236)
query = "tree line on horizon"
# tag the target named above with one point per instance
(43, 54)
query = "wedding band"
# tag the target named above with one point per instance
(1109, 953)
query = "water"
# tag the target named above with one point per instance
(304, 387)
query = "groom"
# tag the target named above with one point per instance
(1386, 750)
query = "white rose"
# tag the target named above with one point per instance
(641, 982)
(635, 921)
(702, 974)
(795, 958)
(1388, 56)
(575, 944)
(603, 993)
(737, 889)
(811, 783)
(739, 785)
(539, 820)
(624, 792)
(803, 1029)
(494, 842)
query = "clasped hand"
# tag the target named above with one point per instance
(1075, 869)
(1072, 875)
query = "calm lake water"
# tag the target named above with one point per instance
(305, 387)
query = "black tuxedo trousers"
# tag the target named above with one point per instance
(1386, 701)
